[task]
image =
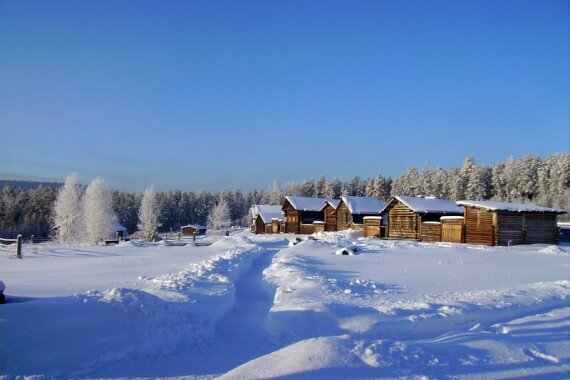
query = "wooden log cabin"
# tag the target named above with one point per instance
(302, 212)
(266, 219)
(330, 214)
(406, 216)
(503, 223)
(193, 229)
(351, 211)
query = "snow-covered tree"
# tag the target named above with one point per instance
(149, 214)
(98, 215)
(219, 218)
(276, 194)
(67, 216)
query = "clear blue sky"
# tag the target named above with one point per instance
(211, 95)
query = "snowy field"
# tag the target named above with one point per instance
(257, 307)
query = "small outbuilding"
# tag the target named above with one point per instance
(503, 223)
(266, 219)
(193, 229)
(119, 231)
(302, 212)
(407, 215)
(330, 214)
(351, 211)
(373, 226)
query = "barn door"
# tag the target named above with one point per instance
(451, 233)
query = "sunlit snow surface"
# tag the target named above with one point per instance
(257, 307)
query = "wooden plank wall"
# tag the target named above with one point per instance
(330, 218)
(403, 222)
(479, 226)
(430, 232)
(343, 217)
(259, 225)
(527, 228)
(372, 227)
(452, 231)
(292, 223)
(307, 229)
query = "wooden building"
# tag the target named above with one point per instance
(406, 216)
(503, 223)
(373, 226)
(302, 212)
(452, 229)
(266, 219)
(192, 229)
(351, 211)
(330, 214)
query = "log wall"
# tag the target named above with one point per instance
(479, 226)
(330, 218)
(402, 222)
(343, 217)
(430, 232)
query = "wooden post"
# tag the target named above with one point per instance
(194, 235)
(19, 246)
(32, 239)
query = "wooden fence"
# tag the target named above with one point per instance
(11, 245)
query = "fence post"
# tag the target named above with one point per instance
(32, 239)
(19, 246)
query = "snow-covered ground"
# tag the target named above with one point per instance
(257, 307)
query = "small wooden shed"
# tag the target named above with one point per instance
(266, 219)
(192, 229)
(503, 223)
(330, 214)
(302, 212)
(452, 229)
(406, 216)
(373, 226)
(351, 211)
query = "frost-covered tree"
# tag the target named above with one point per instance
(98, 215)
(67, 215)
(276, 193)
(219, 218)
(149, 214)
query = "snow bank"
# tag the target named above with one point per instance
(107, 327)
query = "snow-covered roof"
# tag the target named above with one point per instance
(451, 218)
(307, 203)
(372, 217)
(363, 205)
(118, 227)
(196, 226)
(268, 212)
(333, 202)
(429, 205)
(506, 206)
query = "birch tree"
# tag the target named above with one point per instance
(149, 214)
(98, 215)
(67, 217)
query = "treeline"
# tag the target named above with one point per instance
(530, 179)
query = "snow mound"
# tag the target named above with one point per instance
(553, 249)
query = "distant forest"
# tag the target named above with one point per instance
(27, 209)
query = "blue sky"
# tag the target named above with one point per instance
(223, 94)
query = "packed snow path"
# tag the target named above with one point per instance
(239, 337)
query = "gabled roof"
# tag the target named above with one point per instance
(428, 205)
(506, 206)
(268, 212)
(363, 205)
(307, 203)
(332, 202)
(196, 226)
